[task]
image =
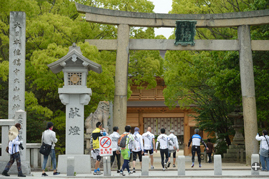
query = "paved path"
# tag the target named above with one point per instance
(159, 174)
(229, 170)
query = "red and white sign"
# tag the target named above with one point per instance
(105, 146)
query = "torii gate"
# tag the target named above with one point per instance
(244, 44)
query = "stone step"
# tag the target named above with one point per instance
(233, 150)
(236, 147)
(229, 155)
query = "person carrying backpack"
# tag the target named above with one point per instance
(172, 148)
(123, 143)
(139, 147)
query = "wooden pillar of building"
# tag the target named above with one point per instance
(186, 133)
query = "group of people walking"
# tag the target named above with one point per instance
(133, 146)
(126, 145)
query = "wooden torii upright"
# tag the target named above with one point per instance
(244, 44)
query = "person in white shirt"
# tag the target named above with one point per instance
(149, 144)
(14, 146)
(264, 145)
(164, 141)
(139, 147)
(172, 148)
(49, 137)
(115, 148)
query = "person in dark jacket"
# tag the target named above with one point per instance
(210, 150)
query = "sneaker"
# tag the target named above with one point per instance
(200, 165)
(130, 172)
(99, 173)
(118, 171)
(21, 175)
(122, 174)
(133, 170)
(174, 165)
(168, 165)
(165, 165)
(56, 173)
(152, 167)
(95, 173)
(192, 165)
(163, 169)
(44, 175)
(4, 173)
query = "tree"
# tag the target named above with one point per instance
(53, 26)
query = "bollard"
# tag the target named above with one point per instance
(217, 165)
(181, 165)
(255, 167)
(145, 166)
(107, 167)
(70, 166)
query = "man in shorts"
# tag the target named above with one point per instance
(98, 132)
(138, 151)
(173, 148)
(149, 144)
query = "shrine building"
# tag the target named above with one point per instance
(146, 108)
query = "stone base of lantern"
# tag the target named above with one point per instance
(82, 163)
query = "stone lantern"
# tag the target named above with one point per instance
(75, 95)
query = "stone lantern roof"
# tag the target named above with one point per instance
(74, 58)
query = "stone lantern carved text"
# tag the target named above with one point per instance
(185, 32)
(74, 130)
(74, 112)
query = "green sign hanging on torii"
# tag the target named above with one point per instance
(185, 32)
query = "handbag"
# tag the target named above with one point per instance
(265, 152)
(45, 148)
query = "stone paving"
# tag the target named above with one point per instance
(229, 170)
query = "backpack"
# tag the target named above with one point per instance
(122, 140)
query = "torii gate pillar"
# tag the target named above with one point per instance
(121, 78)
(248, 92)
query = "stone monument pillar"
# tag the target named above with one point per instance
(75, 95)
(16, 93)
